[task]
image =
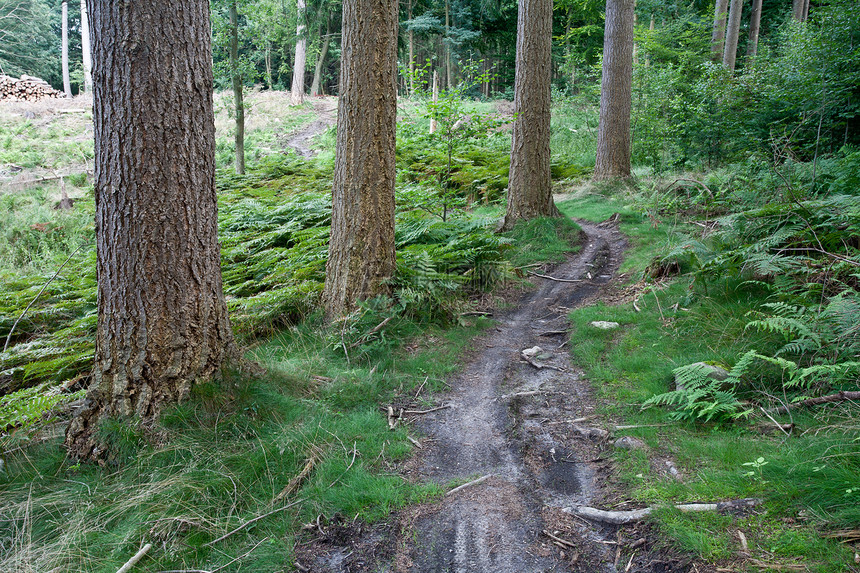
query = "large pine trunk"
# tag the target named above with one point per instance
(530, 182)
(730, 53)
(361, 252)
(162, 318)
(297, 91)
(613, 132)
(718, 36)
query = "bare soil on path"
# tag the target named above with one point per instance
(528, 424)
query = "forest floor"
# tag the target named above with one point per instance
(528, 435)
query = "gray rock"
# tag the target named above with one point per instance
(630, 443)
(604, 325)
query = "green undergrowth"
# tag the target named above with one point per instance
(224, 457)
(723, 445)
(274, 227)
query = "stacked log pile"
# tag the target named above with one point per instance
(28, 88)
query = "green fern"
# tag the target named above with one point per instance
(703, 398)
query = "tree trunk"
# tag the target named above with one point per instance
(269, 65)
(718, 37)
(326, 40)
(361, 251)
(435, 99)
(297, 91)
(85, 48)
(411, 42)
(448, 65)
(800, 10)
(730, 52)
(67, 84)
(530, 181)
(755, 26)
(238, 95)
(616, 100)
(162, 319)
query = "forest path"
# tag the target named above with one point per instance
(507, 419)
(302, 141)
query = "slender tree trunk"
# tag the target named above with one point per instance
(411, 42)
(530, 181)
(448, 65)
(361, 251)
(85, 48)
(805, 10)
(616, 100)
(650, 29)
(297, 92)
(326, 40)
(718, 37)
(435, 99)
(162, 318)
(635, 45)
(730, 53)
(67, 84)
(755, 25)
(238, 95)
(269, 65)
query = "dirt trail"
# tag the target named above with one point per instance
(514, 422)
(301, 141)
(502, 422)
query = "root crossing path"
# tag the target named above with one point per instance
(512, 420)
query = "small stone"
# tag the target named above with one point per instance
(533, 351)
(630, 443)
(605, 325)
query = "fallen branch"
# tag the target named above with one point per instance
(251, 522)
(838, 397)
(558, 539)
(133, 561)
(469, 484)
(556, 279)
(624, 517)
(371, 332)
(415, 442)
(422, 412)
(775, 423)
(540, 366)
(294, 483)
(620, 428)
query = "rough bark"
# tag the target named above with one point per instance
(733, 29)
(85, 48)
(718, 37)
(361, 251)
(530, 181)
(613, 132)
(297, 91)
(755, 26)
(326, 40)
(238, 94)
(162, 318)
(67, 84)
